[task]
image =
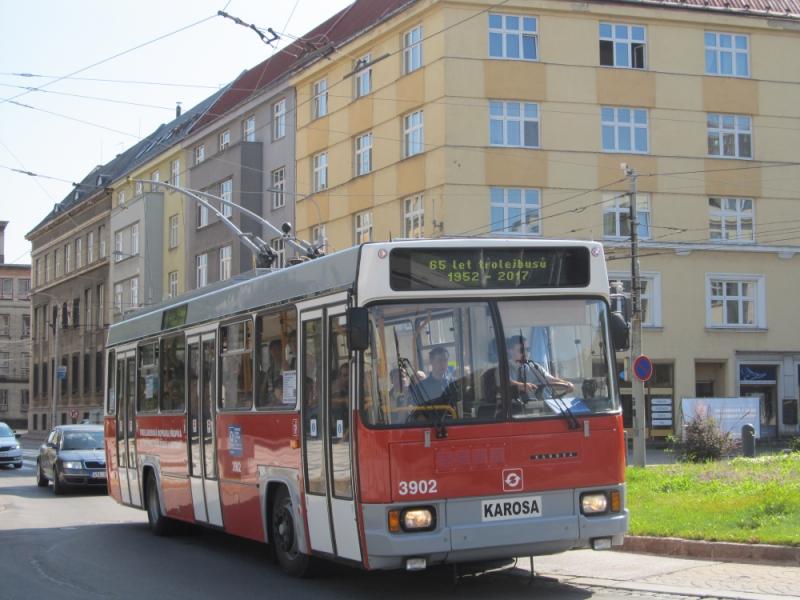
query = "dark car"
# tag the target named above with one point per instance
(72, 456)
(10, 451)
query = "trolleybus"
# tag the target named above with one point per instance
(395, 405)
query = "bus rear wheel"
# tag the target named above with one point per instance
(159, 524)
(284, 538)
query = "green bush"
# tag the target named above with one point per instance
(794, 444)
(704, 441)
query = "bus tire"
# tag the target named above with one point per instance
(284, 538)
(159, 524)
(41, 480)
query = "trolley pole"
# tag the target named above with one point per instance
(637, 386)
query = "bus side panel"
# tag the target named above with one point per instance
(245, 442)
(373, 461)
(163, 438)
(112, 471)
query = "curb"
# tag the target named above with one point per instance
(721, 551)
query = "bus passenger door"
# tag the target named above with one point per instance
(201, 427)
(326, 414)
(126, 429)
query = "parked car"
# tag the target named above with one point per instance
(10, 450)
(72, 456)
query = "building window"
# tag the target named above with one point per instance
(155, 178)
(320, 172)
(90, 247)
(514, 124)
(727, 54)
(78, 253)
(650, 292)
(616, 216)
(101, 305)
(118, 246)
(319, 102)
(735, 301)
(134, 239)
(363, 154)
(249, 129)
(622, 46)
(24, 400)
(3, 399)
(363, 227)
(414, 217)
(26, 326)
(134, 292)
(5, 366)
(278, 187)
(67, 258)
(23, 288)
(37, 274)
(513, 37)
(279, 119)
(319, 236)
(87, 373)
(199, 153)
(118, 297)
(278, 247)
(729, 136)
(731, 219)
(224, 139)
(201, 262)
(7, 288)
(121, 198)
(57, 261)
(225, 254)
(46, 268)
(202, 216)
(624, 130)
(412, 50)
(173, 231)
(87, 302)
(5, 325)
(515, 210)
(363, 76)
(175, 173)
(172, 286)
(139, 188)
(101, 237)
(226, 193)
(413, 138)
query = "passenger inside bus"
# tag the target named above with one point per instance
(438, 378)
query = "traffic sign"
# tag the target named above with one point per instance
(643, 367)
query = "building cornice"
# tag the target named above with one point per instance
(683, 249)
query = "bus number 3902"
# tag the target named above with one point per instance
(423, 486)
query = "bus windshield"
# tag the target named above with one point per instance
(446, 363)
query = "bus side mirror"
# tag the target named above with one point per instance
(357, 328)
(620, 332)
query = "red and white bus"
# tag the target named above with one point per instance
(393, 405)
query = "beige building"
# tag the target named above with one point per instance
(471, 119)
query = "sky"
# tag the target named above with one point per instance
(175, 51)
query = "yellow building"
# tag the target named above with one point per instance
(470, 119)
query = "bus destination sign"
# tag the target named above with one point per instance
(488, 268)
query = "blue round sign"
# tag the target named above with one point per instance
(643, 367)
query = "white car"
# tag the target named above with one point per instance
(10, 450)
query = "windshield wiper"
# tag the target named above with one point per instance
(565, 410)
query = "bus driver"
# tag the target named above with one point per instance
(527, 376)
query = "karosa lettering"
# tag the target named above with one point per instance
(511, 508)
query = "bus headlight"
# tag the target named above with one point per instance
(594, 503)
(417, 518)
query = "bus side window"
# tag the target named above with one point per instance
(276, 346)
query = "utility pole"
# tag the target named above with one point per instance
(56, 364)
(637, 385)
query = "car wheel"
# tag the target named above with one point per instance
(58, 487)
(284, 538)
(41, 480)
(159, 524)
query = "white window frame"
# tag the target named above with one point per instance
(363, 157)
(201, 270)
(101, 240)
(279, 247)
(118, 294)
(202, 216)
(717, 51)
(226, 193)
(121, 197)
(651, 293)
(624, 128)
(722, 126)
(249, 129)
(759, 310)
(134, 293)
(412, 50)
(363, 77)
(199, 153)
(172, 284)
(363, 227)
(57, 262)
(618, 204)
(510, 201)
(155, 177)
(5, 325)
(118, 253)
(225, 257)
(224, 139)
(622, 35)
(279, 119)
(507, 32)
(134, 239)
(413, 134)
(319, 101)
(414, 216)
(175, 172)
(506, 118)
(737, 214)
(78, 253)
(319, 235)
(278, 179)
(174, 222)
(67, 258)
(319, 172)
(90, 247)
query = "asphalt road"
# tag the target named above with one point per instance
(85, 546)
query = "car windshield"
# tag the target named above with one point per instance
(5, 431)
(487, 361)
(82, 440)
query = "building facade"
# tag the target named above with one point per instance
(15, 339)
(473, 119)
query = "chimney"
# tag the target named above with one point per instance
(2, 241)
(177, 109)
